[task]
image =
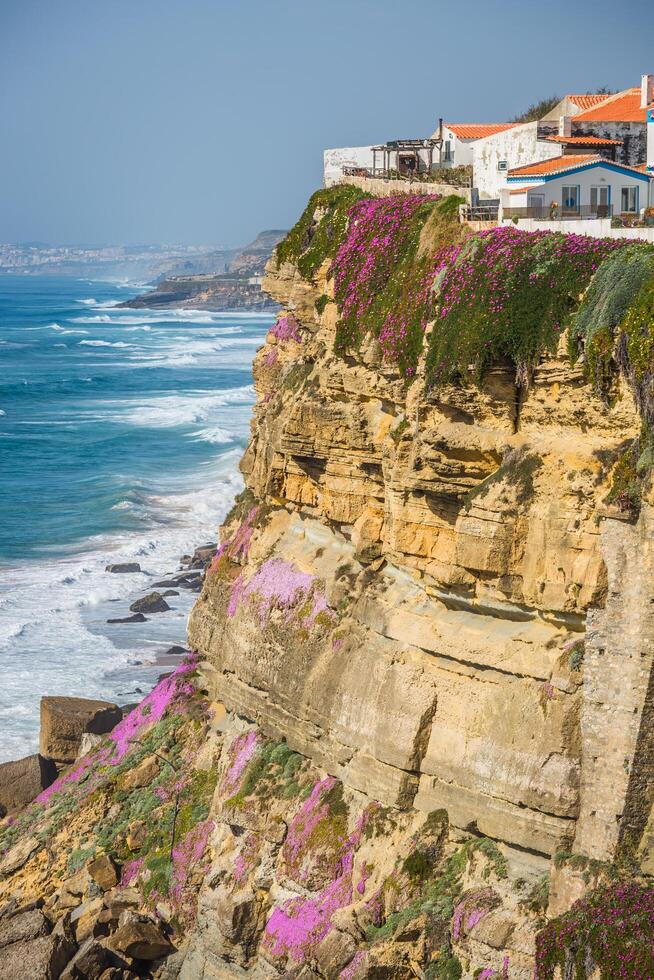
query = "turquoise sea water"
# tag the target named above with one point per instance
(120, 434)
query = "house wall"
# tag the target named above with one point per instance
(345, 156)
(596, 228)
(634, 136)
(518, 146)
(585, 179)
(461, 149)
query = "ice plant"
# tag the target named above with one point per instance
(279, 584)
(186, 856)
(240, 752)
(506, 293)
(611, 928)
(287, 328)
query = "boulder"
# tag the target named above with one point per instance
(103, 872)
(85, 919)
(64, 721)
(154, 602)
(93, 960)
(18, 855)
(137, 833)
(201, 556)
(21, 781)
(139, 937)
(23, 926)
(170, 592)
(37, 959)
(141, 775)
(124, 568)
(137, 618)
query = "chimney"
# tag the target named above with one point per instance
(646, 91)
(565, 125)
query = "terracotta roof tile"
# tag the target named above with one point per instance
(476, 131)
(622, 107)
(583, 140)
(559, 165)
(554, 165)
(587, 100)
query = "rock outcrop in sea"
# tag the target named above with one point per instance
(414, 738)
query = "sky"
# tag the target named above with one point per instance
(204, 121)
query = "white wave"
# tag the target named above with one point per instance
(168, 411)
(2, 412)
(51, 606)
(87, 302)
(103, 343)
(214, 434)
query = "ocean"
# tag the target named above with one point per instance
(120, 435)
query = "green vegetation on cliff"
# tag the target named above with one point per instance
(320, 230)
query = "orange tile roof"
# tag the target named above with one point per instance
(520, 190)
(588, 100)
(621, 107)
(554, 166)
(560, 165)
(583, 140)
(476, 131)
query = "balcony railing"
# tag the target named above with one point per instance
(584, 211)
(479, 212)
(455, 177)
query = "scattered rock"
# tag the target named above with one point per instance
(170, 592)
(37, 959)
(154, 602)
(139, 937)
(73, 890)
(335, 951)
(23, 926)
(88, 742)
(18, 855)
(137, 833)
(84, 919)
(122, 568)
(95, 960)
(103, 871)
(201, 556)
(176, 651)
(166, 584)
(21, 781)
(142, 775)
(138, 618)
(64, 721)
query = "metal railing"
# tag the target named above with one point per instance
(551, 213)
(479, 212)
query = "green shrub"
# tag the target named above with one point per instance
(320, 229)
(613, 289)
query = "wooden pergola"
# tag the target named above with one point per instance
(404, 151)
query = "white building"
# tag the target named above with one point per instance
(460, 138)
(336, 161)
(575, 186)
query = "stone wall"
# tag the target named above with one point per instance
(384, 188)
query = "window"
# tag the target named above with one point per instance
(448, 150)
(630, 199)
(570, 197)
(502, 164)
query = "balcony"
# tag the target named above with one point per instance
(583, 212)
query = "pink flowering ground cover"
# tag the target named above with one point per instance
(380, 284)
(297, 926)
(279, 584)
(287, 328)
(612, 927)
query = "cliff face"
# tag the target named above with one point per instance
(404, 590)
(426, 639)
(456, 540)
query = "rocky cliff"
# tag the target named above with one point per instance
(424, 642)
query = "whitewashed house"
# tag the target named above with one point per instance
(599, 164)
(460, 138)
(345, 158)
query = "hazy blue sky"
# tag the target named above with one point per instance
(205, 120)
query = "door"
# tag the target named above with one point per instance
(570, 198)
(600, 200)
(536, 205)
